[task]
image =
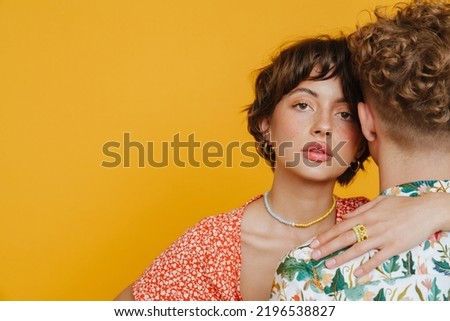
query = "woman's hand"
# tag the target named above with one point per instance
(393, 225)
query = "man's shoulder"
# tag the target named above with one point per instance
(425, 266)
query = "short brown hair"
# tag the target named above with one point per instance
(404, 66)
(293, 65)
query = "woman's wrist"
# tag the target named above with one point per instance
(439, 203)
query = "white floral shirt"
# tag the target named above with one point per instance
(422, 273)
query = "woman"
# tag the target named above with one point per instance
(305, 122)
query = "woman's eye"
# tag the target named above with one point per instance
(346, 115)
(302, 106)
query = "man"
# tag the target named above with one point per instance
(404, 66)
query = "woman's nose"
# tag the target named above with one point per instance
(322, 125)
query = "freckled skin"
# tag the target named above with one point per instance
(315, 111)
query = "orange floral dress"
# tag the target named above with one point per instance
(204, 264)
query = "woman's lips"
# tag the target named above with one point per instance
(317, 152)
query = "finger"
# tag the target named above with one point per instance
(332, 234)
(353, 252)
(376, 260)
(343, 240)
(347, 224)
(329, 237)
(364, 208)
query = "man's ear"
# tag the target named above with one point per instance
(367, 120)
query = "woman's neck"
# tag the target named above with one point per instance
(299, 200)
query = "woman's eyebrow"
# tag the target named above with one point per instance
(312, 93)
(303, 90)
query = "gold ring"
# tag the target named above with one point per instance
(360, 232)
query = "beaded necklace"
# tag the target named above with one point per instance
(282, 220)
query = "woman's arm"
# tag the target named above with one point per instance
(393, 224)
(126, 295)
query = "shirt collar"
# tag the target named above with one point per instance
(418, 188)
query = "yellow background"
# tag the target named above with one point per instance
(77, 74)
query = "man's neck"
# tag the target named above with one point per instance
(399, 167)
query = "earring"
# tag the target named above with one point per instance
(265, 147)
(355, 166)
(265, 144)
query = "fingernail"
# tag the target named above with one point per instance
(314, 243)
(315, 254)
(358, 272)
(330, 263)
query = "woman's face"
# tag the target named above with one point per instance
(313, 131)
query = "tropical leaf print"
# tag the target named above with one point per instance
(290, 267)
(408, 264)
(391, 265)
(403, 293)
(380, 296)
(420, 273)
(337, 284)
(354, 293)
(447, 297)
(413, 189)
(419, 293)
(434, 292)
(442, 266)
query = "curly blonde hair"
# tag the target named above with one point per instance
(403, 62)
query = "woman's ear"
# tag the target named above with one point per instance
(367, 120)
(264, 125)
